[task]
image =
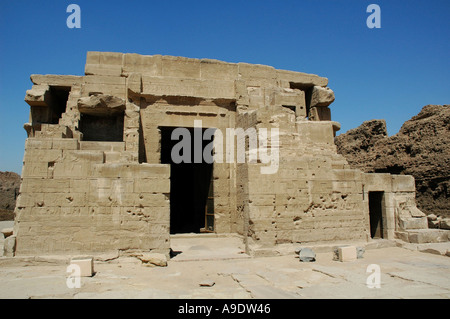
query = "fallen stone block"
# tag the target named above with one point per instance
(422, 236)
(416, 213)
(414, 223)
(153, 259)
(402, 235)
(433, 223)
(347, 253)
(86, 265)
(9, 246)
(444, 223)
(360, 252)
(307, 255)
(432, 250)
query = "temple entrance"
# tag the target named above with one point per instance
(191, 200)
(376, 214)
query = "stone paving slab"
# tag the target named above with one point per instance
(404, 274)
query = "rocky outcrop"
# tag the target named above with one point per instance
(357, 145)
(421, 148)
(9, 188)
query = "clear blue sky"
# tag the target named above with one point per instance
(388, 73)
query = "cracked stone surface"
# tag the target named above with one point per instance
(404, 274)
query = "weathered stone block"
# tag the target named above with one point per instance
(71, 170)
(53, 155)
(300, 79)
(262, 200)
(104, 63)
(35, 169)
(102, 146)
(212, 69)
(31, 185)
(39, 95)
(212, 89)
(413, 223)
(85, 264)
(307, 255)
(38, 144)
(428, 236)
(65, 144)
(9, 246)
(316, 132)
(83, 156)
(134, 83)
(153, 259)
(180, 67)
(101, 79)
(56, 80)
(144, 64)
(65, 199)
(320, 113)
(111, 58)
(378, 182)
(347, 253)
(101, 105)
(403, 183)
(321, 96)
(444, 223)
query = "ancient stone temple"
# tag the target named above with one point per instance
(100, 174)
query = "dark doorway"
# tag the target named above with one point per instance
(102, 128)
(190, 186)
(376, 214)
(60, 96)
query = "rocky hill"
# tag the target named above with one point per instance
(421, 148)
(9, 188)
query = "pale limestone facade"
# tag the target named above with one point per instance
(95, 178)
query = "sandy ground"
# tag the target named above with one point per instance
(403, 273)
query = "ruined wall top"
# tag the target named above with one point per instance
(124, 64)
(131, 76)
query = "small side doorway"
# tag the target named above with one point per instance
(376, 214)
(209, 209)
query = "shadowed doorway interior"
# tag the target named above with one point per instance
(191, 201)
(376, 214)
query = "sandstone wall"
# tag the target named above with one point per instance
(313, 197)
(74, 200)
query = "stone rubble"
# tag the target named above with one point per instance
(307, 255)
